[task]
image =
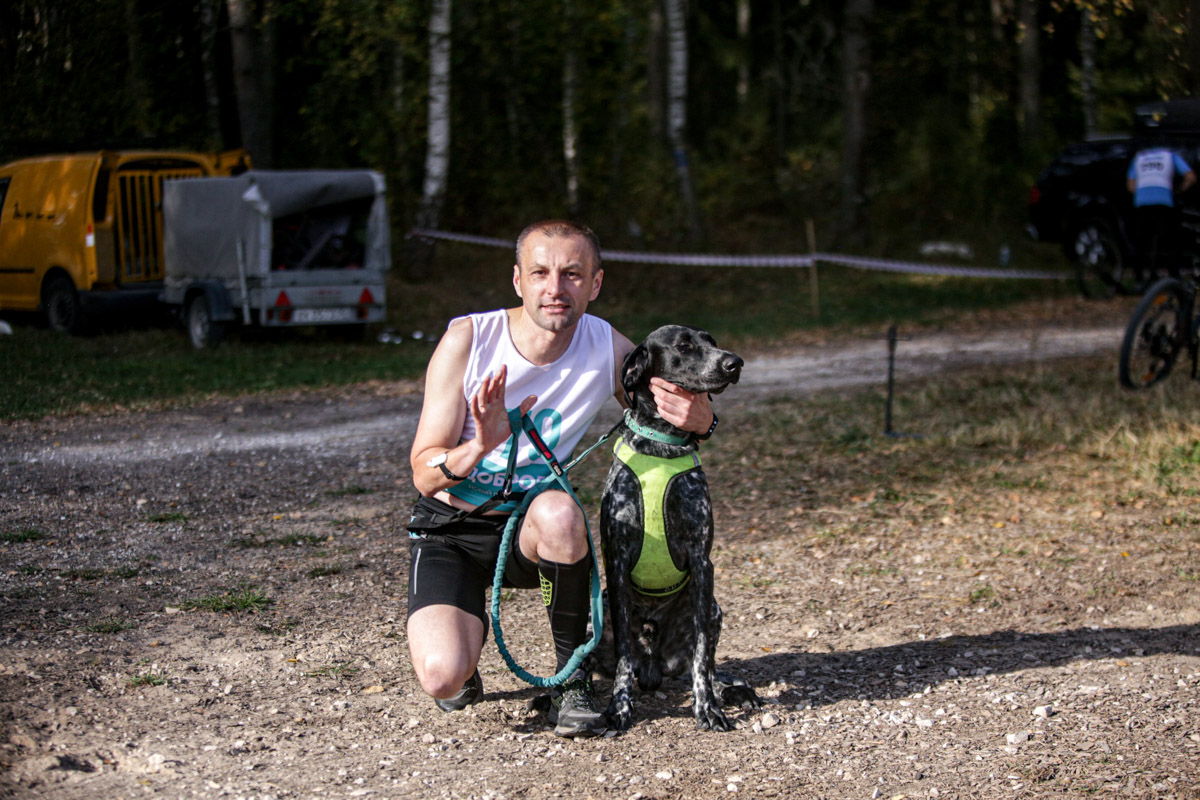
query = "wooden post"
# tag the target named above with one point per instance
(814, 288)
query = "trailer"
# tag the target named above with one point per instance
(276, 249)
(81, 233)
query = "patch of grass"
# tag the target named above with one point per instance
(22, 535)
(350, 491)
(53, 374)
(325, 571)
(290, 540)
(244, 598)
(110, 625)
(981, 594)
(278, 628)
(85, 574)
(871, 569)
(148, 679)
(168, 516)
(342, 669)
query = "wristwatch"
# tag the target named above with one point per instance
(703, 436)
(439, 461)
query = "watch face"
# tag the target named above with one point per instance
(436, 461)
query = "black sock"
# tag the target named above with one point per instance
(566, 591)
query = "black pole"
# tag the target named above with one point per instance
(891, 340)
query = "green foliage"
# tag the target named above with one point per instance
(347, 81)
(243, 598)
(21, 535)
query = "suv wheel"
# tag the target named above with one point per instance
(1100, 268)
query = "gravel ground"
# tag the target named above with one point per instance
(209, 602)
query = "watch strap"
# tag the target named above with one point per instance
(446, 471)
(704, 436)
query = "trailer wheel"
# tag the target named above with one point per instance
(203, 330)
(64, 311)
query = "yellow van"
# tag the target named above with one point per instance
(83, 232)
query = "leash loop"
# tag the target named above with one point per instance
(519, 423)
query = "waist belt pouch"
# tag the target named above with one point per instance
(429, 514)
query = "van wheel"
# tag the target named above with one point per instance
(1100, 269)
(64, 311)
(203, 330)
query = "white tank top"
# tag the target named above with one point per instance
(570, 391)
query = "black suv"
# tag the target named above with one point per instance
(1081, 201)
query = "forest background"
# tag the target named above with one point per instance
(718, 124)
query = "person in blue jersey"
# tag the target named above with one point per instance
(1155, 175)
(559, 364)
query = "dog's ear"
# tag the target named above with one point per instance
(635, 372)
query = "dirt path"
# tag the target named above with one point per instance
(116, 681)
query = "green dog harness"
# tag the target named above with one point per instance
(655, 572)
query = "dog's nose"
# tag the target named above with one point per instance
(731, 364)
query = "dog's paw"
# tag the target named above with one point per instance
(620, 715)
(710, 716)
(539, 704)
(734, 691)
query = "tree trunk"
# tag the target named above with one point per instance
(1087, 70)
(654, 72)
(743, 35)
(569, 133)
(139, 91)
(856, 82)
(1029, 70)
(209, 13)
(251, 75)
(437, 153)
(677, 76)
(1192, 44)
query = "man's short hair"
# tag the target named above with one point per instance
(555, 228)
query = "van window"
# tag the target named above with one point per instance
(3, 191)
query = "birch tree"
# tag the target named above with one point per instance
(677, 75)
(570, 133)
(437, 154)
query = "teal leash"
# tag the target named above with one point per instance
(519, 422)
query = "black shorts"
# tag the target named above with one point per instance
(454, 563)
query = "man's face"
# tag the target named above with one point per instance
(556, 279)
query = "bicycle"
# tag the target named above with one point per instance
(1162, 325)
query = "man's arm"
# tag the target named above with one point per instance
(683, 409)
(444, 411)
(1189, 180)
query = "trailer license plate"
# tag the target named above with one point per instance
(319, 315)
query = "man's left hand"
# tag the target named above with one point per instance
(683, 409)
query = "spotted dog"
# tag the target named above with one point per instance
(656, 530)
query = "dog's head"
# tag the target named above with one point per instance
(687, 357)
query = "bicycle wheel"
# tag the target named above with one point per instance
(1156, 333)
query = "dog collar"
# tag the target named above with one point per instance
(650, 433)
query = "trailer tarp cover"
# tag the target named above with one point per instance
(212, 224)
